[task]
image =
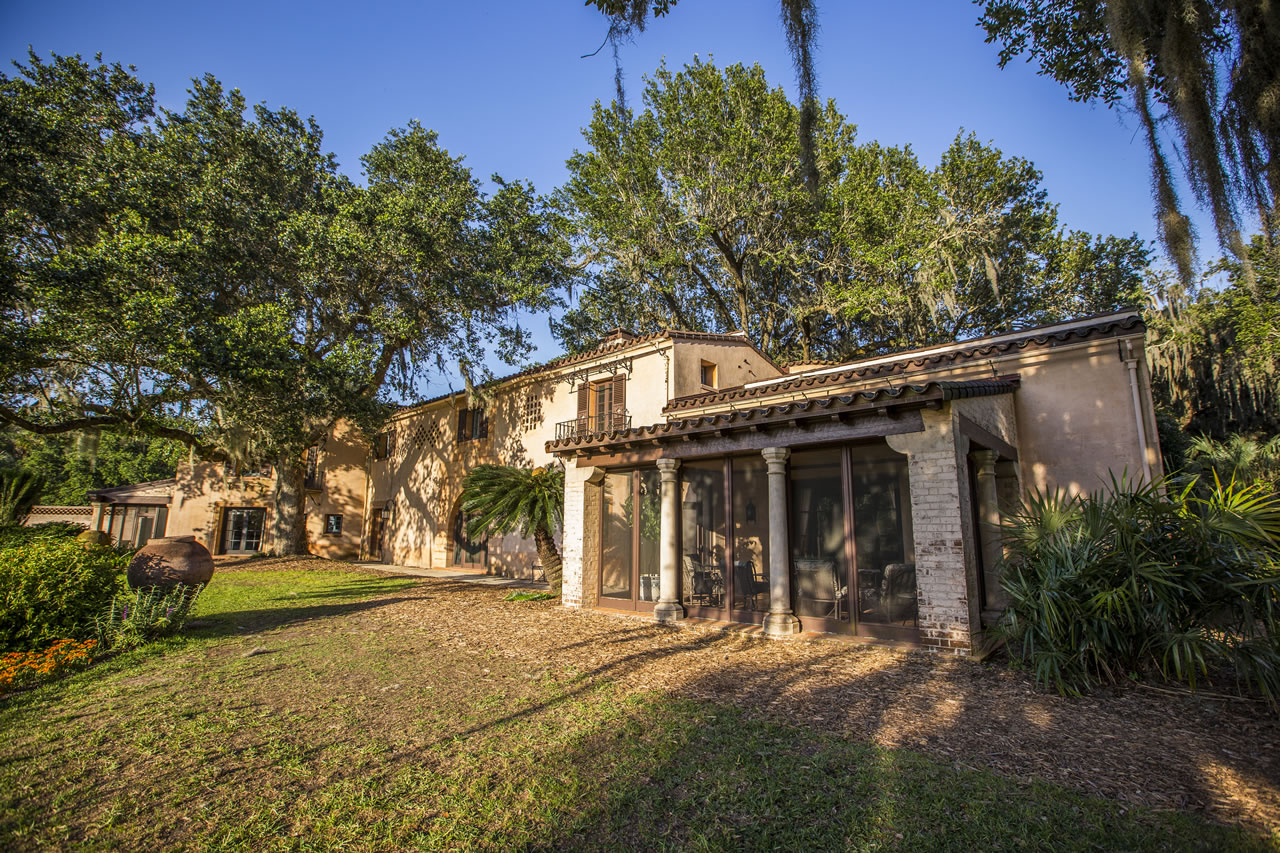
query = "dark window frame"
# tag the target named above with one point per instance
(329, 528)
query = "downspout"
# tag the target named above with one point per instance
(1132, 363)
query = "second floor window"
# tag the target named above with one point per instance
(602, 405)
(312, 467)
(384, 444)
(473, 424)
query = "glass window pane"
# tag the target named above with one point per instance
(750, 534)
(650, 533)
(615, 550)
(818, 555)
(882, 532)
(702, 533)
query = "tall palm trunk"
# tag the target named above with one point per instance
(549, 556)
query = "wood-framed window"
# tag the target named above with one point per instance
(384, 444)
(602, 405)
(707, 373)
(333, 524)
(473, 424)
(311, 477)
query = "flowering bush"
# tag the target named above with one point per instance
(19, 669)
(145, 615)
(54, 588)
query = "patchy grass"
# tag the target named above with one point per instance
(292, 719)
(530, 596)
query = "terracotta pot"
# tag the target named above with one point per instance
(169, 561)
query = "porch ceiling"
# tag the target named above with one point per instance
(885, 401)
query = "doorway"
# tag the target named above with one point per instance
(242, 530)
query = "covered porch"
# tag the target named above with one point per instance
(873, 514)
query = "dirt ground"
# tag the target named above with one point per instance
(1137, 744)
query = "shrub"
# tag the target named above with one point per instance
(16, 535)
(51, 589)
(145, 615)
(1146, 579)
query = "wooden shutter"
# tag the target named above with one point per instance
(618, 421)
(463, 434)
(584, 401)
(483, 431)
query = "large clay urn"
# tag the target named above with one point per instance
(93, 537)
(169, 561)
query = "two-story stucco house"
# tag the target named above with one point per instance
(705, 481)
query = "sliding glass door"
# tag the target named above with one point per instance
(630, 526)
(852, 546)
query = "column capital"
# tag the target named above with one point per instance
(667, 467)
(986, 460)
(775, 456)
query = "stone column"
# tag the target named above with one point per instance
(989, 529)
(99, 509)
(780, 621)
(668, 607)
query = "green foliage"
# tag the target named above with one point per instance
(54, 588)
(530, 501)
(1209, 65)
(73, 465)
(15, 535)
(1239, 458)
(207, 275)
(698, 213)
(1214, 351)
(1146, 578)
(19, 491)
(146, 614)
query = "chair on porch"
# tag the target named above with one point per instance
(818, 584)
(898, 590)
(749, 585)
(701, 584)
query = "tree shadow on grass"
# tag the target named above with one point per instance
(235, 622)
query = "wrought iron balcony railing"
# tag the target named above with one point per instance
(606, 422)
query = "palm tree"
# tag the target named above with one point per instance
(502, 498)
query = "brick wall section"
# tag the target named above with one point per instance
(946, 560)
(575, 489)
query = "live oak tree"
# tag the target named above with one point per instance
(209, 276)
(1206, 70)
(697, 212)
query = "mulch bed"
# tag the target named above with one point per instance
(1136, 744)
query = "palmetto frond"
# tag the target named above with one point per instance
(502, 499)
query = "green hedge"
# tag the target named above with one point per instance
(54, 588)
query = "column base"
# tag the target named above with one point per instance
(781, 624)
(668, 611)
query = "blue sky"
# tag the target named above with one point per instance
(503, 82)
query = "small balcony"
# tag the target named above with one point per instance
(606, 422)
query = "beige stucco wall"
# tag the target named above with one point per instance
(1073, 415)
(203, 491)
(736, 364)
(422, 480)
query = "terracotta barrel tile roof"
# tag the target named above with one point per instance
(856, 402)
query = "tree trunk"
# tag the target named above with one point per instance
(549, 557)
(289, 521)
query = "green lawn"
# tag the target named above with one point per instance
(297, 719)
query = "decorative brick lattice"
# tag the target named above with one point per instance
(531, 413)
(428, 435)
